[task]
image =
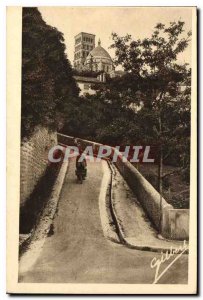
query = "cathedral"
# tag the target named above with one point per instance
(87, 57)
(91, 58)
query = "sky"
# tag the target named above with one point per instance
(102, 21)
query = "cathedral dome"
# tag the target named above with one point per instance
(99, 60)
(99, 52)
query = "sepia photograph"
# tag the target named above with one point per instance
(104, 196)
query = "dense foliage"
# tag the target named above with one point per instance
(164, 87)
(47, 82)
(94, 119)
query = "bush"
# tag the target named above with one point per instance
(47, 79)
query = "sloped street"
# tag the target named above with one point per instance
(78, 251)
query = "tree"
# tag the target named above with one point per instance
(47, 80)
(154, 72)
(93, 118)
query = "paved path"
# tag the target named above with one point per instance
(79, 252)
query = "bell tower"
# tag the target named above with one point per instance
(84, 43)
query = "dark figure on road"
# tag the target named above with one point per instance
(81, 167)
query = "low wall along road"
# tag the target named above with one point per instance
(171, 223)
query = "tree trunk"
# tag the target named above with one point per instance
(160, 173)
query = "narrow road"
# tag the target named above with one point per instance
(78, 252)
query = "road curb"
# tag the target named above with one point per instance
(109, 230)
(112, 209)
(121, 232)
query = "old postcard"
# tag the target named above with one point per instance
(101, 150)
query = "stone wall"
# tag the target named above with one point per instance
(145, 192)
(175, 224)
(34, 160)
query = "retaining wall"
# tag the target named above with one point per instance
(34, 160)
(174, 223)
(145, 192)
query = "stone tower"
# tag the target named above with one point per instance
(84, 44)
